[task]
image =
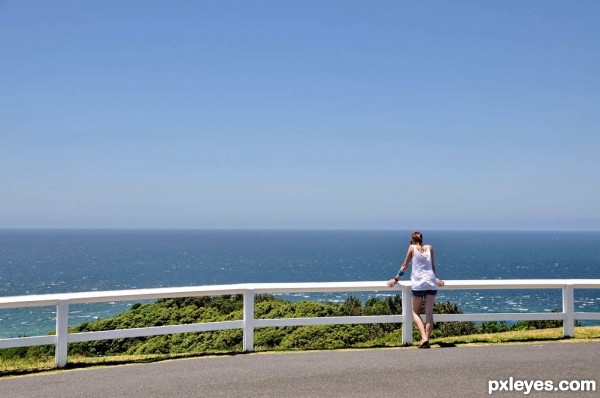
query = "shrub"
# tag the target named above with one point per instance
(214, 309)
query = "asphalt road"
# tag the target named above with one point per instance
(437, 372)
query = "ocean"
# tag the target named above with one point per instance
(57, 261)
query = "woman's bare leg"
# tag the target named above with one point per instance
(416, 307)
(429, 302)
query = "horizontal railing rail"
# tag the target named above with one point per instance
(62, 302)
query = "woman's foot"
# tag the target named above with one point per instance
(424, 344)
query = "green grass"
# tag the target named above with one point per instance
(522, 336)
(23, 366)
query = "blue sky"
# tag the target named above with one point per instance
(300, 114)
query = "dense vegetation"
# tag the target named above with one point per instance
(224, 308)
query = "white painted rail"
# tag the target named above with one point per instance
(249, 323)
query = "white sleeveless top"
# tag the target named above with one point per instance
(421, 275)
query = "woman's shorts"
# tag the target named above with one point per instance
(423, 293)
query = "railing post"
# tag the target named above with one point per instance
(407, 316)
(568, 310)
(249, 320)
(62, 331)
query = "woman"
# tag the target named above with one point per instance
(423, 281)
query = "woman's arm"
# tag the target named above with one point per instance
(404, 265)
(438, 281)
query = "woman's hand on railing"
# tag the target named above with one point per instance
(440, 282)
(392, 282)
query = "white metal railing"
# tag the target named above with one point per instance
(249, 323)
